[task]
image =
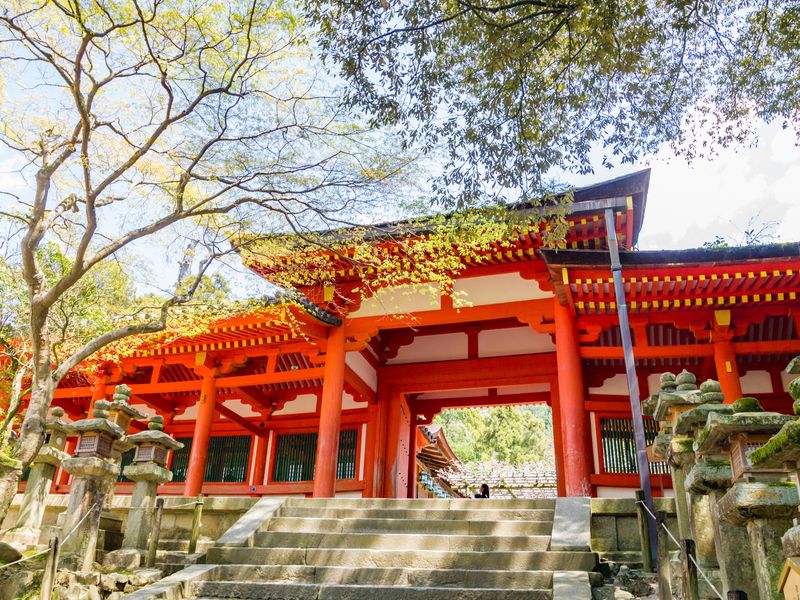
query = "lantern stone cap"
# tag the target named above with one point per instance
(783, 447)
(661, 444)
(793, 368)
(147, 472)
(666, 400)
(103, 425)
(707, 476)
(696, 417)
(719, 428)
(54, 423)
(51, 456)
(152, 436)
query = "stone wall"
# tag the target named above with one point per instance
(615, 528)
(219, 513)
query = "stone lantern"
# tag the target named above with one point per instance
(679, 396)
(148, 470)
(91, 465)
(758, 499)
(43, 468)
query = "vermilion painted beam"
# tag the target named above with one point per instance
(425, 406)
(499, 371)
(196, 384)
(686, 350)
(447, 316)
(361, 386)
(240, 420)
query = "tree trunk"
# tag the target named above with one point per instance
(31, 432)
(9, 482)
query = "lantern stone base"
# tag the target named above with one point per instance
(125, 559)
(766, 509)
(734, 557)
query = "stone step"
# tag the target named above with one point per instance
(387, 576)
(430, 559)
(302, 591)
(410, 526)
(391, 541)
(420, 514)
(424, 503)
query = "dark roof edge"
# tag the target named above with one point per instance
(600, 258)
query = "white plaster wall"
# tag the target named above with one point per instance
(593, 430)
(494, 289)
(362, 368)
(615, 386)
(787, 378)
(756, 382)
(349, 402)
(304, 403)
(454, 394)
(353, 494)
(190, 414)
(401, 300)
(523, 389)
(510, 342)
(426, 348)
(240, 408)
(145, 409)
(653, 383)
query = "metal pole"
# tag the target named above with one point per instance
(644, 532)
(630, 372)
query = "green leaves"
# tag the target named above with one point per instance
(511, 90)
(513, 435)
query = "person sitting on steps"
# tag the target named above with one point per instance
(484, 491)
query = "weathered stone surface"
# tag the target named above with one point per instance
(124, 559)
(572, 524)
(90, 466)
(154, 436)
(748, 404)
(568, 585)
(103, 425)
(707, 476)
(691, 420)
(781, 448)
(604, 533)
(765, 538)
(8, 553)
(19, 584)
(147, 472)
(791, 542)
(50, 456)
(757, 500)
(720, 427)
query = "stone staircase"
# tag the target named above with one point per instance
(348, 549)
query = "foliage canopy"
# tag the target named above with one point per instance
(512, 89)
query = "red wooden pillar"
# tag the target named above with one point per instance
(330, 416)
(577, 458)
(725, 357)
(558, 441)
(202, 434)
(260, 460)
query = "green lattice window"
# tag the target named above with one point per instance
(227, 460)
(619, 446)
(296, 455)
